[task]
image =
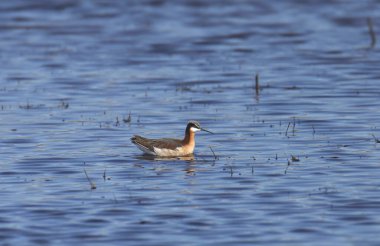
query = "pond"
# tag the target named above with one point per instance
(290, 89)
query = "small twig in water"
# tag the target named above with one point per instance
(215, 157)
(232, 172)
(257, 84)
(286, 133)
(253, 170)
(93, 185)
(376, 139)
(104, 174)
(286, 169)
(64, 105)
(129, 119)
(114, 198)
(294, 125)
(371, 32)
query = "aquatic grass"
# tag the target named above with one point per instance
(63, 105)
(371, 32)
(92, 184)
(129, 119)
(117, 123)
(104, 174)
(215, 156)
(375, 138)
(286, 132)
(257, 84)
(252, 167)
(287, 166)
(294, 125)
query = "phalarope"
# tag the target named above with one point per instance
(170, 147)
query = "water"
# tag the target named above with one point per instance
(73, 71)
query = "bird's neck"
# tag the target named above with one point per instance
(189, 139)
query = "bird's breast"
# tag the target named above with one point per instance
(179, 151)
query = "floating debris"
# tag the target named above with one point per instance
(295, 159)
(31, 106)
(64, 105)
(292, 88)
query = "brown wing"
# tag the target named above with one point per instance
(163, 143)
(144, 142)
(166, 143)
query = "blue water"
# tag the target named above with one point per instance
(296, 162)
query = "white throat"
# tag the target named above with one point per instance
(193, 129)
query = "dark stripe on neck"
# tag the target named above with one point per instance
(187, 132)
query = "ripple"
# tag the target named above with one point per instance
(72, 71)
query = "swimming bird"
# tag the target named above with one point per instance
(170, 147)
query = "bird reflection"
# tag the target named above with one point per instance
(190, 159)
(160, 158)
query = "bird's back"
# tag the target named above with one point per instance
(162, 146)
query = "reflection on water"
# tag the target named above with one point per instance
(190, 162)
(188, 158)
(294, 160)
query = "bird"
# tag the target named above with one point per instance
(170, 147)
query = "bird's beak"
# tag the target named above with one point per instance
(206, 130)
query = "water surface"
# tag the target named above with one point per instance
(297, 162)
